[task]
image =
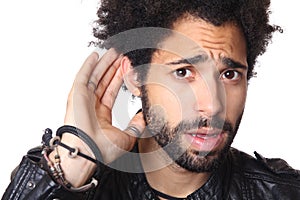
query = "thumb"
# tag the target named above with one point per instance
(136, 125)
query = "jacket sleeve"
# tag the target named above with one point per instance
(31, 180)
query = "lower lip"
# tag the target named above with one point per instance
(204, 143)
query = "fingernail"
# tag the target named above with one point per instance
(140, 110)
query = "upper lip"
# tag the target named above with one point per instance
(203, 132)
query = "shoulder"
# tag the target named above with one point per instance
(266, 177)
(261, 164)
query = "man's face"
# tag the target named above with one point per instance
(194, 100)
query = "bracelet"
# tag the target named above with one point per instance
(58, 174)
(73, 151)
(51, 142)
(82, 135)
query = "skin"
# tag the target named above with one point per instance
(203, 91)
(89, 108)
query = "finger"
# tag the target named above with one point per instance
(136, 126)
(107, 78)
(110, 94)
(106, 101)
(105, 63)
(69, 117)
(87, 68)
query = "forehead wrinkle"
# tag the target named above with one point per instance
(221, 50)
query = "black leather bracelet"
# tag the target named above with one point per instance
(74, 152)
(83, 136)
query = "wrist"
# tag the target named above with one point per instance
(70, 159)
(77, 170)
(84, 138)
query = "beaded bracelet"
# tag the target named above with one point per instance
(57, 173)
(56, 169)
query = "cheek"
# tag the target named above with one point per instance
(235, 103)
(166, 102)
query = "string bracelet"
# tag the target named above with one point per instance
(73, 152)
(83, 136)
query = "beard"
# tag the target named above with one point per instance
(171, 138)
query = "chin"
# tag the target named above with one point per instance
(201, 161)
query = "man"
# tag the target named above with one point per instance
(190, 63)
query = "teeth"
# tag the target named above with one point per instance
(204, 136)
(198, 136)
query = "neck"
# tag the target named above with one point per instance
(166, 176)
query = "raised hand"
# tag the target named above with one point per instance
(89, 108)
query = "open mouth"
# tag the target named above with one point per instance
(205, 139)
(205, 135)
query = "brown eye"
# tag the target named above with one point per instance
(231, 75)
(182, 73)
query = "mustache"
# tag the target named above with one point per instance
(202, 122)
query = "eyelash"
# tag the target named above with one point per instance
(237, 75)
(189, 72)
(190, 75)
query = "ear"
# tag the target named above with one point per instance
(130, 76)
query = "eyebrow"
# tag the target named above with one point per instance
(232, 64)
(202, 58)
(192, 60)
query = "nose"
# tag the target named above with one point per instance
(210, 96)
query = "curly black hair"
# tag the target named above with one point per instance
(115, 16)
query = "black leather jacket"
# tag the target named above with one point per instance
(240, 177)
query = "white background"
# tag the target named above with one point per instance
(43, 44)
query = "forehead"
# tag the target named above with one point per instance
(191, 37)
